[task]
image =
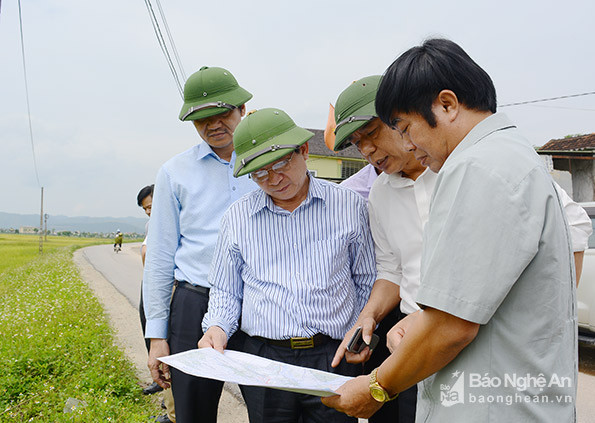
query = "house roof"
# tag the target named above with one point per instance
(318, 147)
(579, 144)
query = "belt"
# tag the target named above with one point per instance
(194, 288)
(298, 343)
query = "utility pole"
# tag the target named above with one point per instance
(41, 225)
(45, 216)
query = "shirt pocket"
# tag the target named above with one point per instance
(328, 263)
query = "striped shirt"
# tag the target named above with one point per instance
(291, 274)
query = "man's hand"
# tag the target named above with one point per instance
(368, 325)
(159, 370)
(354, 398)
(397, 332)
(214, 337)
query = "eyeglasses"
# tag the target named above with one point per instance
(262, 175)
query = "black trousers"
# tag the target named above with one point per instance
(143, 320)
(267, 405)
(196, 399)
(402, 409)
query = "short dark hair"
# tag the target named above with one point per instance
(413, 81)
(144, 193)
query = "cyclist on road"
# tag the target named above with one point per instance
(118, 241)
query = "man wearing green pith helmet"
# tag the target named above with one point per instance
(192, 191)
(294, 259)
(398, 204)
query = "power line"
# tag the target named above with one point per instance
(547, 99)
(171, 40)
(163, 46)
(27, 94)
(562, 107)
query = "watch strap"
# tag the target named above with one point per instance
(374, 385)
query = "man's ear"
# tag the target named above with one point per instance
(449, 103)
(304, 148)
(242, 110)
(446, 105)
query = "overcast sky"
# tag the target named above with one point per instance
(104, 105)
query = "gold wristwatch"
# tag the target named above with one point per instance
(377, 391)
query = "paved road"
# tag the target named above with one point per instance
(124, 271)
(585, 401)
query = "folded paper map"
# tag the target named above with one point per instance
(248, 369)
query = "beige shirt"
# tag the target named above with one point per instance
(497, 252)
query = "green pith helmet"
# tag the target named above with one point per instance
(355, 108)
(211, 91)
(263, 137)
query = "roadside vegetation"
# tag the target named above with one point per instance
(56, 346)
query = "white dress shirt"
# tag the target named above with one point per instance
(579, 221)
(399, 210)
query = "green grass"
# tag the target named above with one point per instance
(17, 250)
(56, 344)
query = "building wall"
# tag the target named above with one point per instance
(561, 177)
(564, 179)
(583, 177)
(331, 167)
(582, 180)
(325, 167)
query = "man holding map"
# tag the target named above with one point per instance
(294, 260)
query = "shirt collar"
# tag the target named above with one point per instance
(204, 150)
(263, 200)
(491, 124)
(372, 175)
(396, 180)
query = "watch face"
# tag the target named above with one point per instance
(378, 394)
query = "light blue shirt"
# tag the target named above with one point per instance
(293, 274)
(192, 191)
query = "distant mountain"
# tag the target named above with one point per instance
(82, 224)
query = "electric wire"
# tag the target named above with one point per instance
(171, 41)
(547, 99)
(27, 94)
(562, 107)
(163, 47)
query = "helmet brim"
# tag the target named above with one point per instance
(236, 97)
(349, 128)
(296, 135)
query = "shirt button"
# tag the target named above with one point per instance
(233, 188)
(295, 244)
